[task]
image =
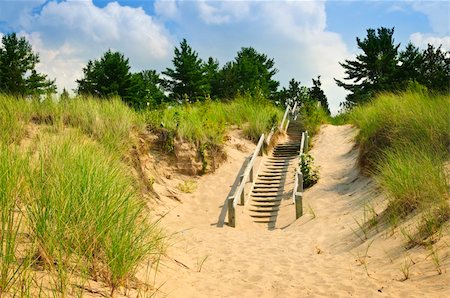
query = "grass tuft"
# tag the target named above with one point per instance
(403, 142)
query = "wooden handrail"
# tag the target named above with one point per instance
(281, 128)
(240, 192)
(297, 192)
(248, 173)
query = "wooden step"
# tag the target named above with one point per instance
(264, 209)
(266, 199)
(266, 204)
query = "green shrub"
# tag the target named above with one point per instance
(310, 173)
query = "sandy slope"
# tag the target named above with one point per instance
(315, 256)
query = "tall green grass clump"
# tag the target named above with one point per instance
(68, 203)
(82, 206)
(106, 121)
(205, 123)
(312, 116)
(12, 128)
(403, 142)
(11, 191)
(393, 120)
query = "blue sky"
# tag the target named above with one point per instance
(306, 38)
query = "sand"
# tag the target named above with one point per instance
(322, 254)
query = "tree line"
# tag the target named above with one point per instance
(190, 79)
(380, 67)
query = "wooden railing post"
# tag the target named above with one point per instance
(299, 196)
(284, 118)
(306, 142)
(231, 212)
(242, 198)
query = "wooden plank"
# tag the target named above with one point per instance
(284, 119)
(270, 135)
(306, 142)
(240, 191)
(231, 213)
(299, 196)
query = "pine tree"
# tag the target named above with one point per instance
(106, 77)
(316, 93)
(375, 69)
(17, 69)
(187, 79)
(146, 91)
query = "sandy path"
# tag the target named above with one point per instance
(315, 256)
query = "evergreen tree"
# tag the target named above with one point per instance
(291, 94)
(410, 61)
(316, 93)
(187, 79)
(17, 69)
(106, 77)
(64, 95)
(228, 84)
(375, 69)
(146, 90)
(435, 69)
(253, 73)
(212, 75)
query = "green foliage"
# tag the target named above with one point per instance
(205, 123)
(108, 122)
(375, 69)
(17, 69)
(250, 72)
(381, 67)
(212, 76)
(70, 192)
(145, 91)
(310, 173)
(187, 81)
(316, 93)
(11, 190)
(403, 142)
(106, 77)
(294, 93)
(392, 120)
(312, 115)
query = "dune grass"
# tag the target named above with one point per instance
(403, 141)
(107, 121)
(206, 123)
(66, 186)
(70, 192)
(312, 117)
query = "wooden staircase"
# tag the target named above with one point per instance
(269, 188)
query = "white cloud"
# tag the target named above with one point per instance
(220, 12)
(13, 12)
(166, 8)
(437, 13)
(292, 32)
(422, 40)
(68, 34)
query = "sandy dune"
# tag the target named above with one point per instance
(320, 255)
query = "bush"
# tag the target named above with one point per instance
(310, 173)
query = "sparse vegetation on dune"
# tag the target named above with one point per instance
(68, 203)
(65, 183)
(403, 142)
(205, 123)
